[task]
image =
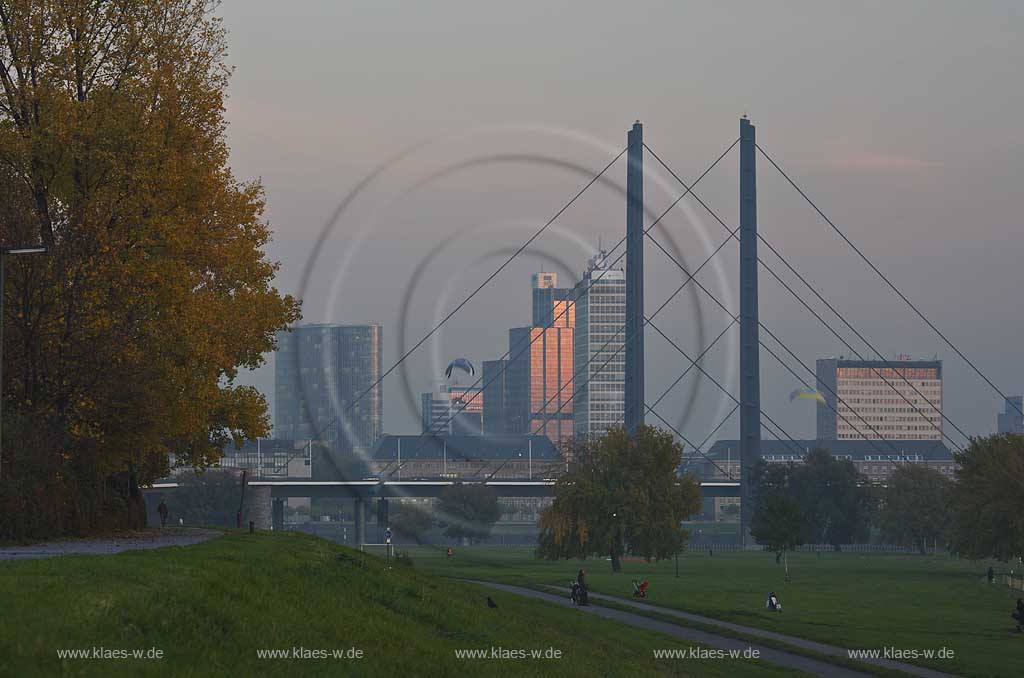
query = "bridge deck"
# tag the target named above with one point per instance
(427, 488)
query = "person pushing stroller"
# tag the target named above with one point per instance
(578, 593)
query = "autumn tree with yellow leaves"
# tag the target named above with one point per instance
(123, 343)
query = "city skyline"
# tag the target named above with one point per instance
(889, 154)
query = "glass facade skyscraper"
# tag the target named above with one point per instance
(540, 381)
(599, 395)
(540, 364)
(319, 372)
(551, 307)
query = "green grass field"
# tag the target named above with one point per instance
(211, 607)
(852, 600)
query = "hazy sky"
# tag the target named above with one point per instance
(899, 119)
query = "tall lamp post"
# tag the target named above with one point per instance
(4, 251)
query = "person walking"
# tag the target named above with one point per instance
(581, 579)
(163, 511)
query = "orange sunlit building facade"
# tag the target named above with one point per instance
(540, 365)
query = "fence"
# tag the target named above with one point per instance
(1014, 582)
(702, 545)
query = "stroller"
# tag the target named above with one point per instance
(577, 594)
(640, 590)
(773, 603)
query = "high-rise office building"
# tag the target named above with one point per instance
(875, 409)
(326, 385)
(552, 305)
(540, 364)
(1011, 420)
(435, 409)
(540, 381)
(494, 383)
(599, 345)
(453, 409)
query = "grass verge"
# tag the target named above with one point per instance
(212, 608)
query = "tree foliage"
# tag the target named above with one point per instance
(914, 507)
(123, 343)
(779, 523)
(410, 520)
(988, 499)
(830, 492)
(621, 495)
(468, 511)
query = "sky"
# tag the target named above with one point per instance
(408, 149)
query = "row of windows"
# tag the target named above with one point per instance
(897, 436)
(888, 372)
(894, 410)
(899, 382)
(880, 389)
(890, 427)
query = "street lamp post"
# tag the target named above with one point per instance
(4, 251)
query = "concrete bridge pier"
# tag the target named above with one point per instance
(277, 514)
(256, 507)
(382, 518)
(360, 519)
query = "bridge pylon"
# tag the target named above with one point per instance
(750, 371)
(633, 416)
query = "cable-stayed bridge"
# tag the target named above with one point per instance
(755, 337)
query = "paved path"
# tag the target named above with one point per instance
(768, 654)
(821, 648)
(144, 539)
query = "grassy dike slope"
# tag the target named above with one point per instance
(210, 607)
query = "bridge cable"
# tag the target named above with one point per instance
(889, 282)
(472, 294)
(593, 281)
(825, 323)
(774, 355)
(723, 389)
(694, 363)
(829, 327)
(579, 369)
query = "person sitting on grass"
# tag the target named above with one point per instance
(773, 603)
(1019, 615)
